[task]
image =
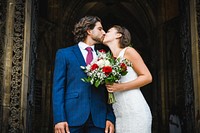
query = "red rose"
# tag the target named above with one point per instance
(107, 70)
(123, 66)
(94, 66)
(102, 51)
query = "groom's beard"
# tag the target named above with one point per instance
(98, 40)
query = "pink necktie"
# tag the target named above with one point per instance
(89, 56)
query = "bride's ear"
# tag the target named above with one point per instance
(118, 35)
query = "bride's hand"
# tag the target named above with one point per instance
(114, 87)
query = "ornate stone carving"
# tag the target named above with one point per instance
(16, 75)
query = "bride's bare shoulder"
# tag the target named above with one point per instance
(131, 51)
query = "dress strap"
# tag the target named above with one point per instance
(121, 54)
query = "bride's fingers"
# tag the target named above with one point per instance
(108, 85)
(109, 89)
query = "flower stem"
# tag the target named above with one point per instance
(111, 98)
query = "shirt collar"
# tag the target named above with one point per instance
(83, 45)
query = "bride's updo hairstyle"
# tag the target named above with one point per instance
(125, 40)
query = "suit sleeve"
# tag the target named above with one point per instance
(110, 113)
(59, 80)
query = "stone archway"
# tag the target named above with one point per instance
(31, 35)
(155, 27)
(142, 26)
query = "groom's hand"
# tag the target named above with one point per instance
(62, 127)
(109, 127)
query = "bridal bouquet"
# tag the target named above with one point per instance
(105, 69)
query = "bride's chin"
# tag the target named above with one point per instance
(104, 42)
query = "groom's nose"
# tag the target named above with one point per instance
(103, 32)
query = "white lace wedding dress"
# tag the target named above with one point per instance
(132, 112)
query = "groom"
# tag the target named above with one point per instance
(79, 107)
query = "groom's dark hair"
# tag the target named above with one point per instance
(85, 23)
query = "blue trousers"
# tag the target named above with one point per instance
(88, 127)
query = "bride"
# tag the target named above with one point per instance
(132, 112)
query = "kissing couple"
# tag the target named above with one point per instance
(79, 107)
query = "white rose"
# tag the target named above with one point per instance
(107, 63)
(100, 63)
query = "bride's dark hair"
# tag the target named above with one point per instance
(125, 39)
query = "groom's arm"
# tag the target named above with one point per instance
(110, 114)
(110, 123)
(59, 81)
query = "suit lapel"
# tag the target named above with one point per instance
(79, 56)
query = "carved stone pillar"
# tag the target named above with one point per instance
(15, 66)
(3, 5)
(7, 74)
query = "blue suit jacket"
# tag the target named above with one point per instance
(73, 99)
